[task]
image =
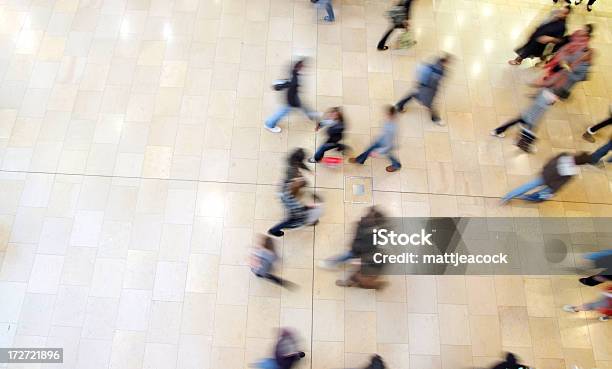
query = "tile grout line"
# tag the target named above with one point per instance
(274, 185)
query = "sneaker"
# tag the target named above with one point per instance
(589, 7)
(577, 2)
(587, 136)
(276, 129)
(391, 169)
(604, 318)
(328, 19)
(312, 160)
(439, 123)
(498, 134)
(570, 308)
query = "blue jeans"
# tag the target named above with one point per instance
(326, 147)
(269, 363)
(364, 155)
(283, 111)
(521, 191)
(327, 4)
(601, 152)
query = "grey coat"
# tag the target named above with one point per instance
(426, 92)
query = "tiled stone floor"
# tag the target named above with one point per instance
(134, 173)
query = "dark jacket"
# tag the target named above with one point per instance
(335, 132)
(532, 47)
(293, 99)
(551, 175)
(284, 354)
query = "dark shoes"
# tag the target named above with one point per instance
(276, 234)
(353, 161)
(391, 168)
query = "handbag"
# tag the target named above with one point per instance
(406, 41)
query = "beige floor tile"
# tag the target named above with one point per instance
(424, 335)
(456, 356)
(455, 320)
(230, 326)
(485, 335)
(546, 339)
(515, 327)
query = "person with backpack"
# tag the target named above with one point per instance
(428, 79)
(334, 121)
(385, 143)
(262, 261)
(293, 99)
(399, 16)
(603, 305)
(555, 174)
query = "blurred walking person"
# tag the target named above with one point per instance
(293, 99)
(263, 258)
(399, 16)
(551, 31)
(429, 77)
(286, 353)
(603, 305)
(385, 143)
(363, 241)
(333, 121)
(555, 175)
(298, 214)
(571, 63)
(531, 116)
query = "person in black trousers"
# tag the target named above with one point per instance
(399, 15)
(588, 134)
(589, 4)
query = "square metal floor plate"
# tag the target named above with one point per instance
(358, 190)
